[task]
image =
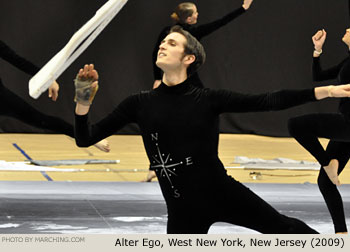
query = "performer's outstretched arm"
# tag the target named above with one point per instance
(86, 134)
(26, 66)
(206, 29)
(227, 101)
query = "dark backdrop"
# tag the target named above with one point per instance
(267, 48)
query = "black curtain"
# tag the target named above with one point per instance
(268, 48)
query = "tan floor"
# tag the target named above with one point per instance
(133, 164)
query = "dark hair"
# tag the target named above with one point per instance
(192, 46)
(182, 12)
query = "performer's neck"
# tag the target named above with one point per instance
(174, 78)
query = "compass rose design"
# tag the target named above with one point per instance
(165, 164)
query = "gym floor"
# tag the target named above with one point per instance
(109, 198)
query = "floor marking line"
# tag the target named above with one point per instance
(29, 158)
(103, 218)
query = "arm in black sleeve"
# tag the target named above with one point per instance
(87, 134)
(204, 30)
(227, 101)
(157, 72)
(320, 74)
(21, 63)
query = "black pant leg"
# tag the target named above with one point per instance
(330, 193)
(244, 208)
(308, 128)
(191, 222)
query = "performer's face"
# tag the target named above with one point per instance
(193, 19)
(171, 52)
(346, 37)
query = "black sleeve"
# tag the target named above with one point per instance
(204, 30)
(21, 63)
(157, 72)
(87, 134)
(227, 101)
(320, 74)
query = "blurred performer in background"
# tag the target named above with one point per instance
(14, 106)
(307, 129)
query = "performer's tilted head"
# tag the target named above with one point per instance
(180, 49)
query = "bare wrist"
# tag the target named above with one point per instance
(329, 90)
(81, 109)
(317, 52)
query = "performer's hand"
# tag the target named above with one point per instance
(53, 91)
(318, 39)
(88, 72)
(339, 91)
(156, 83)
(86, 85)
(246, 4)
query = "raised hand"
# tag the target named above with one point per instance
(318, 39)
(86, 85)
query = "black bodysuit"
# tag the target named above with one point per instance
(198, 32)
(14, 106)
(179, 129)
(334, 126)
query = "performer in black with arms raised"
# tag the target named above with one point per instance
(178, 123)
